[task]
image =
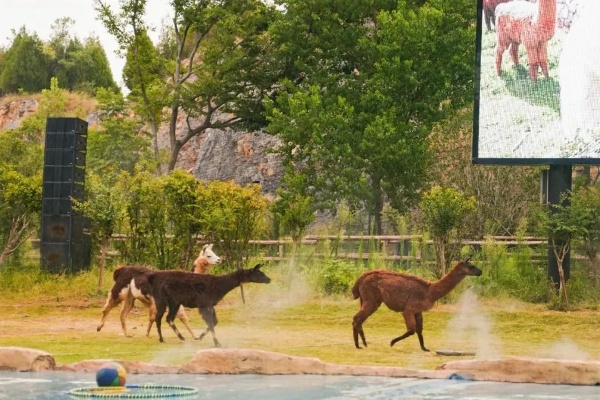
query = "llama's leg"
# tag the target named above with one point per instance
(366, 309)
(181, 314)
(514, 52)
(500, 48)
(209, 315)
(488, 18)
(543, 58)
(419, 328)
(411, 327)
(109, 305)
(161, 307)
(151, 315)
(127, 307)
(173, 309)
(533, 61)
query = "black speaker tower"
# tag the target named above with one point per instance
(65, 242)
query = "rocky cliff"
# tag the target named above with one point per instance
(215, 155)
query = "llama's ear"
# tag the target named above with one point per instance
(210, 246)
(257, 267)
(205, 247)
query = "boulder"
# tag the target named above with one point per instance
(249, 361)
(25, 360)
(132, 367)
(530, 370)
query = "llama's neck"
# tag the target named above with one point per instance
(546, 19)
(201, 265)
(226, 283)
(442, 287)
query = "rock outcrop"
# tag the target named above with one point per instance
(22, 359)
(12, 112)
(243, 157)
(534, 370)
(250, 361)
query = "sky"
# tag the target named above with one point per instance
(38, 15)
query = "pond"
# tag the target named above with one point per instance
(56, 385)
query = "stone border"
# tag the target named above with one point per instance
(248, 361)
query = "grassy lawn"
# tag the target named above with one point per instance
(305, 325)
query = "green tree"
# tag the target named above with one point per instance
(89, 68)
(295, 211)
(493, 186)
(444, 211)
(20, 190)
(118, 144)
(563, 224)
(219, 73)
(103, 210)
(586, 200)
(232, 215)
(366, 84)
(26, 65)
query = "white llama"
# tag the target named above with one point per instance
(579, 77)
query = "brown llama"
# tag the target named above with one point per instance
(403, 293)
(489, 12)
(173, 289)
(531, 24)
(124, 290)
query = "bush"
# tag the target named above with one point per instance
(334, 276)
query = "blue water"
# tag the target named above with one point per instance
(56, 385)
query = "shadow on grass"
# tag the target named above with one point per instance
(543, 92)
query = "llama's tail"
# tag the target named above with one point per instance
(355, 291)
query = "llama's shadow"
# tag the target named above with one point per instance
(544, 92)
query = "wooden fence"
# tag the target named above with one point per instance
(389, 248)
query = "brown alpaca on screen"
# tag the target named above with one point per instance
(531, 24)
(403, 293)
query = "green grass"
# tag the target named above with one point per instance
(293, 321)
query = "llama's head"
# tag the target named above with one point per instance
(466, 268)
(210, 256)
(255, 275)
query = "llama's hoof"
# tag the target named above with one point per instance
(161, 340)
(98, 329)
(424, 349)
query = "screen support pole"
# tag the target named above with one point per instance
(559, 183)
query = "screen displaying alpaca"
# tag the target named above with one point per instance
(537, 86)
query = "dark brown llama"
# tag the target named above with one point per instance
(403, 293)
(489, 12)
(125, 290)
(173, 289)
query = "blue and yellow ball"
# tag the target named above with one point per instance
(111, 374)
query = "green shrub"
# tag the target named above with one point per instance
(334, 276)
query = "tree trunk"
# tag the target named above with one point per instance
(378, 205)
(104, 242)
(19, 232)
(292, 264)
(563, 283)
(439, 245)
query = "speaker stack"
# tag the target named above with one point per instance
(65, 240)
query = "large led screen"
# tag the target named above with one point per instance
(537, 86)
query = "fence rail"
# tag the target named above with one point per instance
(386, 247)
